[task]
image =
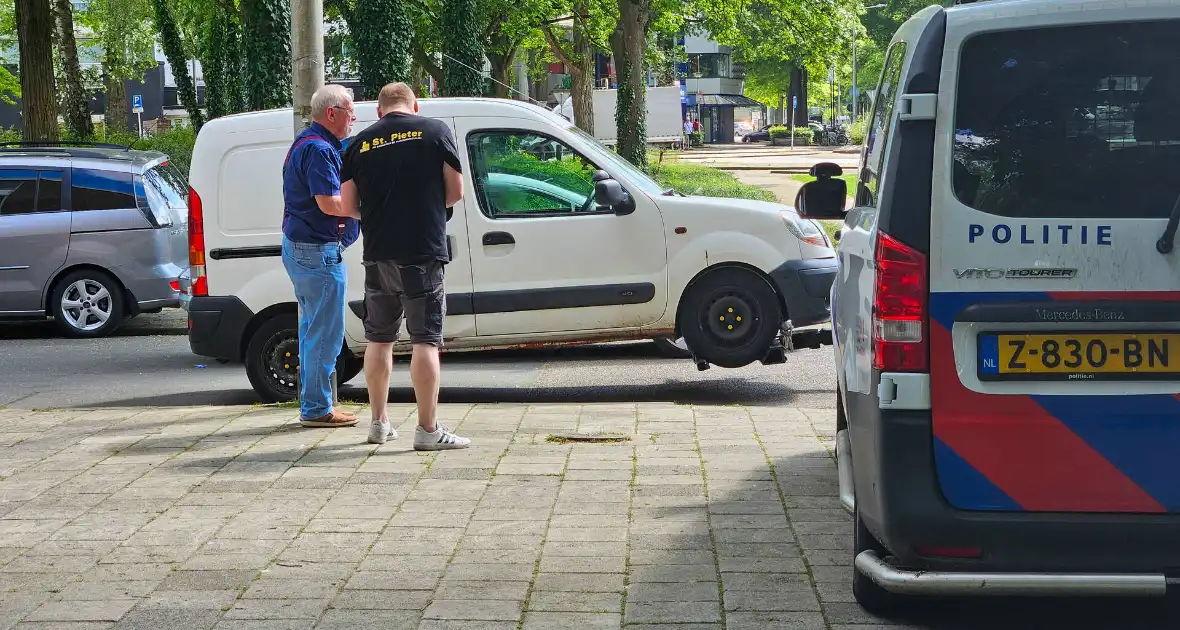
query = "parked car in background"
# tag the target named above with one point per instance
(762, 135)
(89, 235)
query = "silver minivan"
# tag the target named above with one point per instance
(90, 235)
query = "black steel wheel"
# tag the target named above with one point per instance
(730, 317)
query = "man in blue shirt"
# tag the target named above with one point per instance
(316, 230)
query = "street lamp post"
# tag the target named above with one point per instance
(855, 85)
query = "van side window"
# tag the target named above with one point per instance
(94, 189)
(1070, 122)
(519, 174)
(869, 181)
(19, 191)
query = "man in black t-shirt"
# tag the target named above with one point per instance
(403, 173)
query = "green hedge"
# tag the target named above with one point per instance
(858, 130)
(705, 181)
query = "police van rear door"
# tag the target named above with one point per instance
(1055, 322)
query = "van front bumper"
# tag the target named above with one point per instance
(217, 327)
(805, 286)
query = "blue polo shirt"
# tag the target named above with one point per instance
(313, 168)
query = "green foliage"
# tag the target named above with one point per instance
(632, 128)
(266, 27)
(858, 130)
(705, 181)
(9, 86)
(383, 32)
(174, 50)
(127, 31)
(462, 49)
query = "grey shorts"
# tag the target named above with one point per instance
(412, 292)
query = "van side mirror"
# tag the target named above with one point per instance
(826, 197)
(609, 193)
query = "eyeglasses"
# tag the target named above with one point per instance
(351, 112)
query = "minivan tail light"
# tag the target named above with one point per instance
(900, 308)
(196, 244)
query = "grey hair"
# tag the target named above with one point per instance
(329, 96)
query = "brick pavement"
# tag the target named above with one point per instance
(708, 517)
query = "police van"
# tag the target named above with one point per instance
(557, 241)
(1006, 312)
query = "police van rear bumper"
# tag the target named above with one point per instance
(936, 549)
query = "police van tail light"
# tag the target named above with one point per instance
(900, 308)
(196, 244)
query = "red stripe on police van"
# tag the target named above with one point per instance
(1024, 451)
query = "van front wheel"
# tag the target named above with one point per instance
(730, 317)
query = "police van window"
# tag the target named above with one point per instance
(1070, 122)
(877, 140)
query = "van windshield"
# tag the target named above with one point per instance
(639, 177)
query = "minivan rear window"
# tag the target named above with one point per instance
(1070, 122)
(95, 189)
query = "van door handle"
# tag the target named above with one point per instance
(498, 238)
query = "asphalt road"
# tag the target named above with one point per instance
(141, 367)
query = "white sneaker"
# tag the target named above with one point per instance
(380, 431)
(441, 440)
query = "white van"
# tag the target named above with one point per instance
(557, 242)
(1007, 311)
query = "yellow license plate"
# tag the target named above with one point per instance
(1079, 356)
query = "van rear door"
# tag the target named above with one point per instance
(1055, 322)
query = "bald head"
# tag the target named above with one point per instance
(396, 97)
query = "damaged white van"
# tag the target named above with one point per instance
(602, 253)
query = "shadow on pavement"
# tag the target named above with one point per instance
(710, 392)
(764, 587)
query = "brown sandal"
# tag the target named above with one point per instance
(334, 419)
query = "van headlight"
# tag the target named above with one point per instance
(804, 229)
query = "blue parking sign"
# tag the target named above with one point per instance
(136, 103)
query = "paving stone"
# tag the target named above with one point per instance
(207, 580)
(589, 534)
(579, 582)
(338, 619)
(101, 610)
(496, 556)
(556, 601)
(506, 543)
(384, 599)
(852, 613)
(278, 609)
(676, 592)
(453, 624)
(672, 612)
(501, 571)
(802, 599)
(89, 590)
(588, 549)
(674, 573)
(483, 590)
(763, 565)
(392, 580)
(429, 564)
(474, 610)
(272, 624)
(668, 557)
(570, 621)
(170, 618)
(774, 621)
(272, 588)
(174, 600)
(582, 564)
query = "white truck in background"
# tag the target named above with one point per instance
(664, 122)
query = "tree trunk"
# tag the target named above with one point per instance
(174, 51)
(628, 43)
(266, 46)
(34, 28)
(427, 63)
(463, 45)
(383, 35)
(116, 116)
(418, 77)
(76, 105)
(580, 64)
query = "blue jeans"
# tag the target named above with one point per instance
(317, 271)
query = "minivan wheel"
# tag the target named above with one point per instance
(673, 348)
(730, 317)
(272, 360)
(87, 303)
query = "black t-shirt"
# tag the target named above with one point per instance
(397, 164)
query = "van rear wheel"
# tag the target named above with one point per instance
(730, 317)
(272, 360)
(868, 593)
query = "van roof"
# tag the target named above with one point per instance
(431, 107)
(1009, 8)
